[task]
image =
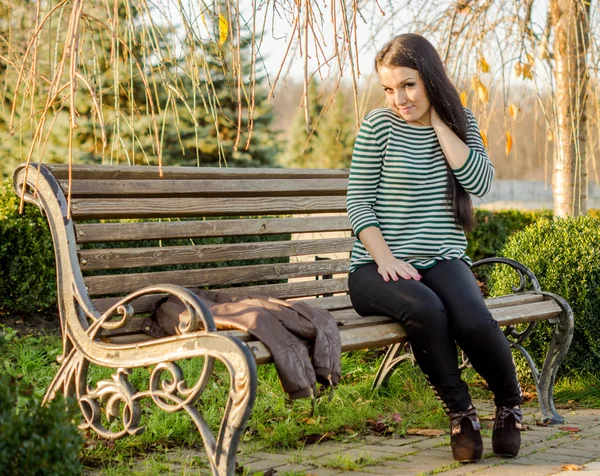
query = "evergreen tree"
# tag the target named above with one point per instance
(210, 142)
(330, 144)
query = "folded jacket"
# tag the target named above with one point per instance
(285, 327)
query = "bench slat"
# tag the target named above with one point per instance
(281, 290)
(205, 188)
(145, 172)
(118, 258)
(375, 335)
(108, 208)
(110, 232)
(349, 318)
(308, 288)
(124, 283)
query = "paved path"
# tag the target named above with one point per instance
(545, 451)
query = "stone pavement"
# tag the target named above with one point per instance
(545, 451)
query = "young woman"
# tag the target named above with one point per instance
(414, 165)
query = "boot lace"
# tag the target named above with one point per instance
(456, 418)
(502, 413)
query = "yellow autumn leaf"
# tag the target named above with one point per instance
(518, 69)
(483, 65)
(509, 143)
(223, 29)
(482, 92)
(527, 73)
(463, 98)
(483, 138)
(530, 59)
(550, 136)
(513, 110)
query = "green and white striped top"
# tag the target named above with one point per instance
(398, 182)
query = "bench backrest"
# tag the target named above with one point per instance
(147, 229)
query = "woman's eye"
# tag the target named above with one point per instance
(409, 85)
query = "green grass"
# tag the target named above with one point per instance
(276, 423)
(580, 390)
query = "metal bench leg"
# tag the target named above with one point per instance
(395, 355)
(561, 339)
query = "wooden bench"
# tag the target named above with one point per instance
(101, 314)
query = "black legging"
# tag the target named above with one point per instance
(445, 308)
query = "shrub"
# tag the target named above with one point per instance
(564, 254)
(495, 227)
(40, 440)
(27, 269)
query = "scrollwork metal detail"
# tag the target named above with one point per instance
(395, 355)
(115, 392)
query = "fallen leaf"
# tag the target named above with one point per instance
(463, 98)
(572, 467)
(527, 397)
(425, 432)
(317, 438)
(572, 429)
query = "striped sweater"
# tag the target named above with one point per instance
(398, 182)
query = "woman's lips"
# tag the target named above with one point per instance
(405, 109)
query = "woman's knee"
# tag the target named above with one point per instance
(428, 315)
(475, 323)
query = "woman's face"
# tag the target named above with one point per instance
(405, 93)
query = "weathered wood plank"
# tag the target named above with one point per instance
(108, 208)
(299, 289)
(205, 188)
(514, 300)
(109, 232)
(349, 318)
(144, 172)
(306, 289)
(118, 258)
(526, 312)
(124, 283)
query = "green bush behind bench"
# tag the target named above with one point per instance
(27, 266)
(28, 279)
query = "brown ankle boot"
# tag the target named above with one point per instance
(506, 438)
(465, 438)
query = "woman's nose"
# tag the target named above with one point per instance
(400, 98)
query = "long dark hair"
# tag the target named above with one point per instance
(415, 52)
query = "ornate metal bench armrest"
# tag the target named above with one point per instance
(199, 315)
(520, 268)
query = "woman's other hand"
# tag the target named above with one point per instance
(395, 269)
(434, 118)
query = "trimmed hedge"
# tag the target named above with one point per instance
(564, 254)
(494, 228)
(27, 266)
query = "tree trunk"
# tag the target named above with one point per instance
(570, 19)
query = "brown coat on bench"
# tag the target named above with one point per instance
(283, 326)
